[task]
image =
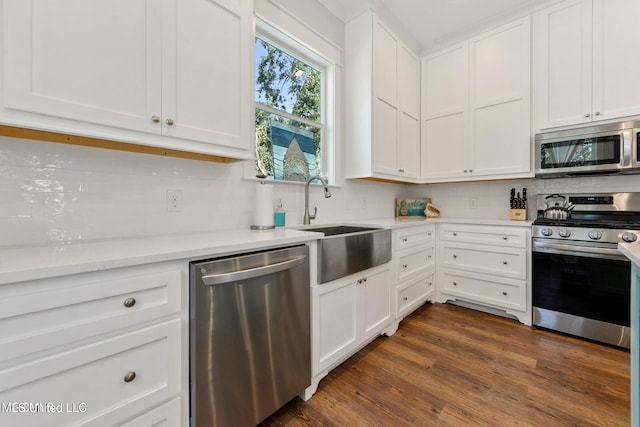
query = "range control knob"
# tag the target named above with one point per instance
(546, 232)
(563, 232)
(595, 235)
(629, 237)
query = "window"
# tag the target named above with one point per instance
(292, 136)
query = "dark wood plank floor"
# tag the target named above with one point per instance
(449, 365)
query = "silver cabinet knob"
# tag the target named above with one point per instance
(455, 284)
(404, 265)
(505, 262)
(504, 293)
(401, 170)
(405, 240)
(169, 121)
(405, 299)
(505, 238)
(129, 302)
(597, 113)
(587, 115)
(455, 256)
(129, 376)
(470, 170)
(155, 119)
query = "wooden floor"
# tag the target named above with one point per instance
(449, 365)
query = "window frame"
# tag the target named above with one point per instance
(295, 47)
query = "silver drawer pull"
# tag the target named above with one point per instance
(404, 265)
(129, 376)
(504, 263)
(405, 240)
(129, 302)
(504, 238)
(455, 256)
(504, 293)
(455, 234)
(430, 283)
(455, 284)
(405, 299)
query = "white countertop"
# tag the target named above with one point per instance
(18, 264)
(631, 251)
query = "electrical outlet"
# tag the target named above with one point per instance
(174, 201)
(473, 203)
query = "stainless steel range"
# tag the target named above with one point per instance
(581, 282)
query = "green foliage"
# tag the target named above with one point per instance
(288, 84)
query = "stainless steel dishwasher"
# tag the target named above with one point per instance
(250, 345)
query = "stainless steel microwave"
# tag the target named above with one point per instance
(604, 149)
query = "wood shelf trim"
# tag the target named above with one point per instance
(61, 138)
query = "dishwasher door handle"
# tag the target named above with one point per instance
(216, 279)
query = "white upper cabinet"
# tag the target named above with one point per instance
(476, 107)
(445, 111)
(382, 103)
(500, 101)
(153, 72)
(585, 62)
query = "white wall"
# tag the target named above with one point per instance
(492, 197)
(54, 192)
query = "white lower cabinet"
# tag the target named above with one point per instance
(414, 262)
(94, 349)
(347, 314)
(487, 266)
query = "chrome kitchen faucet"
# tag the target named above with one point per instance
(327, 194)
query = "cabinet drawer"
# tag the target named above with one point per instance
(43, 314)
(499, 292)
(505, 262)
(94, 384)
(413, 262)
(413, 236)
(410, 295)
(498, 236)
(167, 415)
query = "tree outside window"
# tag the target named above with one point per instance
(289, 126)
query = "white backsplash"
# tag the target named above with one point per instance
(54, 192)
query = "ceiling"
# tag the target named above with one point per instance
(434, 22)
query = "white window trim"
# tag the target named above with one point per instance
(323, 57)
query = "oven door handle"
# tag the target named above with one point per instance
(577, 250)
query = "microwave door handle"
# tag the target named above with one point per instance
(627, 148)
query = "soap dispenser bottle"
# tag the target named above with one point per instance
(279, 215)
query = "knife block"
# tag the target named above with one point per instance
(518, 214)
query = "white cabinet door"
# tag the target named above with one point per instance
(375, 302)
(500, 100)
(91, 61)
(385, 104)
(382, 103)
(616, 58)
(562, 61)
(335, 312)
(445, 104)
(585, 59)
(207, 72)
(408, 147)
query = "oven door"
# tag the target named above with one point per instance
(582, 290)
